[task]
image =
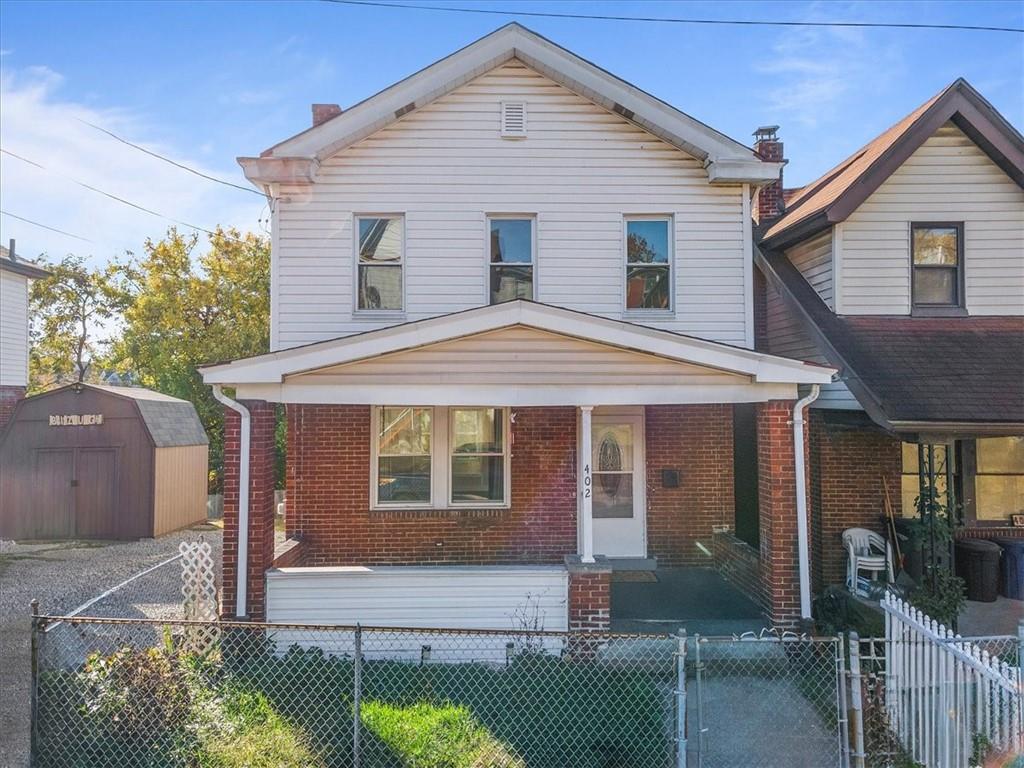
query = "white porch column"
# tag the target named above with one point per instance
(586, 486)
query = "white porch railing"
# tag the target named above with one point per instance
(945, 695)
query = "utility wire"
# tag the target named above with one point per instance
(175, 163)
(43, 226)
(664, 20)
(118, 199)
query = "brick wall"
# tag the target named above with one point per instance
(261, 506)
(590, 601)
(848, 466)
(777, 502)
(9, 397)
(696, 440)
(328, 485)
(739, 563)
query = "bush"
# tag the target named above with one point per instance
(944, 601)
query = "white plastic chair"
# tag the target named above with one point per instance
(866, 551)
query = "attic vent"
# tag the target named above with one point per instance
(513, 119)
(406, 109)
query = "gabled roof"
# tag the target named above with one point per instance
(839, 192)
(170, 421)
(273, 368)
(296, 159)
(915, 374)
(20, 266)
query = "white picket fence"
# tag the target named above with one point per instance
(944, 693)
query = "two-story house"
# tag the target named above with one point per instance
(512, 318)
(903, 267)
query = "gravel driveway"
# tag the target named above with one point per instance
(62, 576)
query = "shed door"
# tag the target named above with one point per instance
(95, 502)
(53, 515)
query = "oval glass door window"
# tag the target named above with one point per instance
(613, 471)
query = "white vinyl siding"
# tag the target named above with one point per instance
(463, 597)
(13, 329)
(580, 170)
(788, 338)
(948, 178)
(517, 356)
(814, 260)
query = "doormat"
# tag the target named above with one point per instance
(633, 576)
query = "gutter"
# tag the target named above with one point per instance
(801, 500)
(242, 568)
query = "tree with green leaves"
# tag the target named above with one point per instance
(183, 307)
(72, 312)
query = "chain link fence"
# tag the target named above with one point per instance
(117, 692)
(769, 701)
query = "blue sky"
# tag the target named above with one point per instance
(204, 82)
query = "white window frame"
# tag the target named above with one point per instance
(378, 313)
(489, 267)
(440, 460)
(669, 219)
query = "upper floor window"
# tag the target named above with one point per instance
(511, 258)
(937, 251)
(649, 263)
(381, 258)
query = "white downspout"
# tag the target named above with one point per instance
(801, 500)
(242, 569)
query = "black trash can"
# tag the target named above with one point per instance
(1011, 573)
(977, 563)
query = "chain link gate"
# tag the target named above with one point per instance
(768, 701)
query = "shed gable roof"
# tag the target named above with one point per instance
(170, 421)
(296, 159)
(841, 190)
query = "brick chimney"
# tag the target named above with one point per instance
(324, 112)
(770, 204)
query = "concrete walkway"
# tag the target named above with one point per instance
(698, 600)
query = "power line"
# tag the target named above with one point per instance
(175, 163)
(44, 226)
(664, 20)
(118, 199)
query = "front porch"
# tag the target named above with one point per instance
(527, 436)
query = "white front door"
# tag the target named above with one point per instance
(619, 503)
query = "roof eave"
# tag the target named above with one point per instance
(734, 171)
(264, 171)
(25, 269)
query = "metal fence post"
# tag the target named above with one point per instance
(34, 691)
(681, 699)
(844, 719)
(856, 706)
(357, 696)
(698, 667)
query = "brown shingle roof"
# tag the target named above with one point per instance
(942, 370)
(833, 196)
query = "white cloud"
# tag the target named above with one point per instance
(41, 125)
(813, 70)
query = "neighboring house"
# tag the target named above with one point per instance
(903, 267)
(511, 319)
(15, 274)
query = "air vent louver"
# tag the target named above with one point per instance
(513, 119)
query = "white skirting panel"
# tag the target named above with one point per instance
(459, 597)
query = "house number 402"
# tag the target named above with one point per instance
(586, 481)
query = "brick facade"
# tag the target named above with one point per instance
(328, 483)
(849, 464)
(261, 507)
(696, 440)
(590, 600)
(9, 397)
(777, 503)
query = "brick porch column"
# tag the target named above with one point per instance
(261, 507)
(590, 594)
(780, 565)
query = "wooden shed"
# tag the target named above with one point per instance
(101, 462)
